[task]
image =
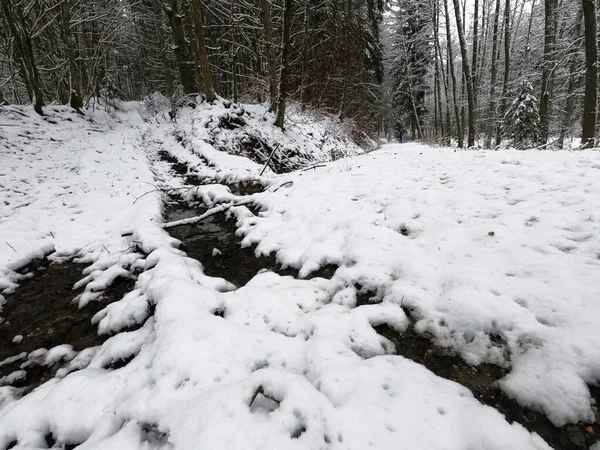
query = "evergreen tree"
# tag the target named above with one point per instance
(522, 120)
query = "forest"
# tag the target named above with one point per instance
(485, 74)
(299, 225)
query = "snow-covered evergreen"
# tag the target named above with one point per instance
(522, 120)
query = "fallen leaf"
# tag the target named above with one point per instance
(590, 430)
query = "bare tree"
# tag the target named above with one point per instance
(285, 60)
(467, 75)
(591, 75)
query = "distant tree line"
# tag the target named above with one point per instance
(447, 71)
(321, 53)
(480, 74)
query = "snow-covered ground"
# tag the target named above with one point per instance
(496, 254)
(68, 183)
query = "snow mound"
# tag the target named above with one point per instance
(247, 130)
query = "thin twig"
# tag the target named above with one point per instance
(10, 246)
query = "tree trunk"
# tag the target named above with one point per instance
(285, 56)
(157, 19)
(22, 44)
(506, 69)
(550, 26)
(459, 130)
(306, 44)
(202, 52)
(566, 122)
(436, 41)
(233, 52)
(467, 75)
(75, 98)
(475, 50)
(181, 50)
(271, 52)
(591, 75)
(492, 108)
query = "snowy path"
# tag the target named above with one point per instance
(409, 224)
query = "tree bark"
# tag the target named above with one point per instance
(285, 56)
(436, 41)
(492, 107)
(566, 122)
(306, 45)
(271, 52)
(467, 75)
(24, 49)
(550, 25)
(181, 50)
(506, 68)
(209, 91)
(459, 130)
(75, 98)
(475, 50)
(591, 75)
(233, 52)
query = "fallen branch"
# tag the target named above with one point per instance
(314, 167)
(211, 212)
(269, 159)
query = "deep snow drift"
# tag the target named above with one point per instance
(410, 223)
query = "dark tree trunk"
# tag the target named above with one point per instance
(566, 122)
(467, 75)
(306, 45)
(550, 25)
(492, 108)
(75, 98)
(271, 52)
(459, 130)
(475, 50)
(181, 50)
(285, 56)
(24, 49)
(591, 75)
(203, 53)
(233, 53)
(506, 69)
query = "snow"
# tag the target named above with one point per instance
(415, 225)
(187, 352)
(308, 138)
(68, 185)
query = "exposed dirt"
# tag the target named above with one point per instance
(42, 311)
(481, 380)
